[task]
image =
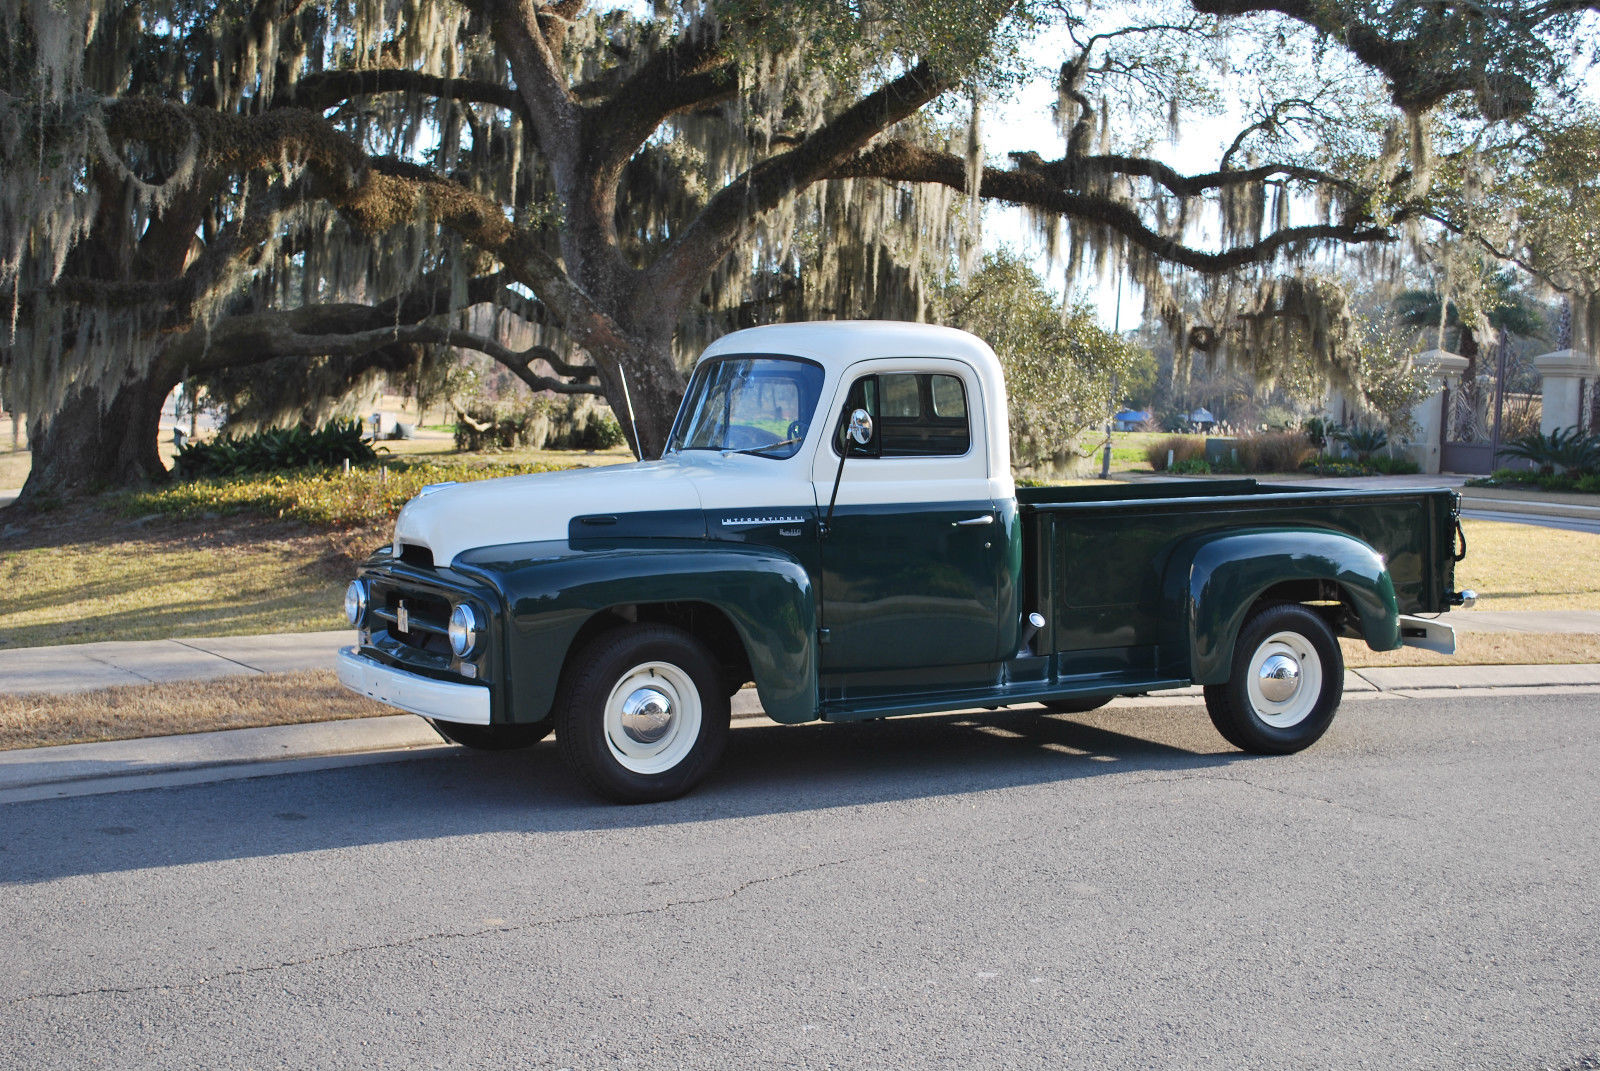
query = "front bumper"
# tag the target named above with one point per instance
(466, 703)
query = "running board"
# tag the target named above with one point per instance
(1428, 635)
(1107, 685)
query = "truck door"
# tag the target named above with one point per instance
(913, 558)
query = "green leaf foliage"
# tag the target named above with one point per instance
(1365, 441)
(1060, 365)
(1571, 449)
(275, 450)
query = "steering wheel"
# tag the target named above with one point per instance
(796, 430)
(748, 436)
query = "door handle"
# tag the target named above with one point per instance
(973, 522)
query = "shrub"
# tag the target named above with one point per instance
(487, 427)
(569, 423)
(1182, 447)
(1324, 465)
(1502, 477)
(1320, 430)
(1365, 441)
(601, 431)
(1193, 466)
(1570, 448)
(1394, 466)
(275, 449)
(1275, 451)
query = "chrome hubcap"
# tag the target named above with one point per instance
(652, 717)
(1284, 679)
(647, 715)
(1279, 677)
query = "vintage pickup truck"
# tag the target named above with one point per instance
(834, 519)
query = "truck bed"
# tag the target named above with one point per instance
(1094, 557)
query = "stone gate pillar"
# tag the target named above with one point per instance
(1444, 371)
(1564, 372)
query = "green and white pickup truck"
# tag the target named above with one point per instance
(834, 519)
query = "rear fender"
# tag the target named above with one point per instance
(1212, 581)
(766, 594)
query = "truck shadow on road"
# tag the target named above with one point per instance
(768, 770)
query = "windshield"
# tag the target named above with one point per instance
(756, 405)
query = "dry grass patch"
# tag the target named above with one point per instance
(1521, 567)
(1485, 649)
(139, 710)
(77, 575)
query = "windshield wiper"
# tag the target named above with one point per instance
(769, 446)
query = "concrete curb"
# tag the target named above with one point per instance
(194, 758)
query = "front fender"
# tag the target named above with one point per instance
(766, 594)
(1212, 581)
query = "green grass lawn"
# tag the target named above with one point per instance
(216, 557)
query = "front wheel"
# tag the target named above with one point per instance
(1286, 682)
(643, 714)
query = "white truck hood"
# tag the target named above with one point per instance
(525, 509)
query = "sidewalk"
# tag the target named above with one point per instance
(84, 667)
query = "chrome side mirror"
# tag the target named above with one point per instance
(861, 427)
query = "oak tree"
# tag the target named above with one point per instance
(197, 184)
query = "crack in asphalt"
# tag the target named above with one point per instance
(1302, 796)
(422, 939)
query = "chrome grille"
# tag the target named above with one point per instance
(418, 619)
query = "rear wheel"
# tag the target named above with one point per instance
(494, 737)
(1285, 684)
(643, 713)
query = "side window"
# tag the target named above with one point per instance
(900, 396)
(914, 414)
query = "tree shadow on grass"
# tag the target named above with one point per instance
(768, 769)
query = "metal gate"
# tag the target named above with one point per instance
(1474, 419)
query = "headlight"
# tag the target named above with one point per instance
(463, 630)
(355, 601)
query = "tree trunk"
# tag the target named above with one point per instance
(647, 408)
(84, 446)
(642, 362)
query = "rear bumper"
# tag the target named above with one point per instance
(1428, 634)
(467, 703)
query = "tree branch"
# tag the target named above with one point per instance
(342, 330)
(901, 161)
(714, 232)
(519, 27)
(694, 71)
(321, 91)
(1420, 70)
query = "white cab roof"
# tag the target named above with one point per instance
(838, 344)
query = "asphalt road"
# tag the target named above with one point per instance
(1113, 890)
